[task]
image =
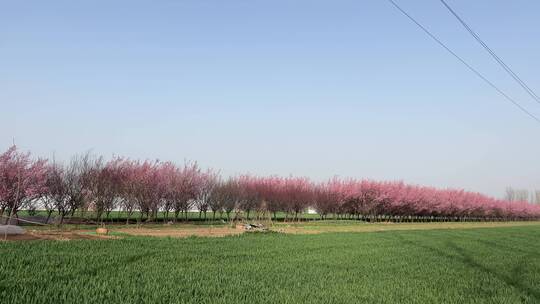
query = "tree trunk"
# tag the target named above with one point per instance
(49, 213)
(98, 216)
(8, 219)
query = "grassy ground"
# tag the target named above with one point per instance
(121, 216)
(491, 265)
(313, 227)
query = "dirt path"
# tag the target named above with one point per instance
(314, 228)
(182, 231)
(54, 235)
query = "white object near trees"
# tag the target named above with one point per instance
(10, 230)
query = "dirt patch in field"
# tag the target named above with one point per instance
(182, 232)
(306, 228)
(54, 235)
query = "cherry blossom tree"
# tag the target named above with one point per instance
(186, 188)
(206, 185)
(298, 195)
(76, 179)
(271, 191)
(105, 184)
(56, 195)
(231, 195)
(151, 187)
(326, 198)
(22, 180)
(128, 189)
(216, 198)
(249, 198)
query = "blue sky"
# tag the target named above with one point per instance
(311, 88)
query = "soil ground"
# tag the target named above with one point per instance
(181, 231)
(54, 235)
(186, 230)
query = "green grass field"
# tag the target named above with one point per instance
(489, 265)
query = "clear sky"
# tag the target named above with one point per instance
(311, 88)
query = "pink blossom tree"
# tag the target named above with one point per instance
(22, 180)
(206, 184)
(183, 188)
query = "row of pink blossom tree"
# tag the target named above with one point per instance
(146, 189)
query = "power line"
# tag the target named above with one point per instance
(477, 73)
(492, 53)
